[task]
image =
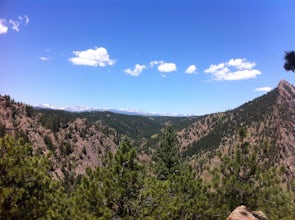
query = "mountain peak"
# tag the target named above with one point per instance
(286, 89)
(284, 82)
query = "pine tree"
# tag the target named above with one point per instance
(26, 189)
(289, 61)
(243, 179)
(167, 159)
(112, 191)
(174, 192)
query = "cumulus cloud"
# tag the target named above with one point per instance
(241, 64)
(163, 67)
(192, 69)
(263, 89)
(136, 71)
(167, 67)
(3, 26)
(234, 69)
(92, 57)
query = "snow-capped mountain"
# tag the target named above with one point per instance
(77, 108)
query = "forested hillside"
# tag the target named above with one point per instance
(270, 118)
(104, 165)
(125, 188)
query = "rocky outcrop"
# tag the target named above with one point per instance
(74, 146)
(286, 127)
(242, 213)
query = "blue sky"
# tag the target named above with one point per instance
(168, 57)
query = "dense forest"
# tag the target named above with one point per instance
(126, 188)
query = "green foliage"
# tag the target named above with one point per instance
(19, 134)
(48, 142)
(180, 197)
(29, 110)
(66, 149)
(289, 61)
(122, 188)
(243, 179)
(55, 119)
(2, 130)
(8, 101)
(26, 190)
(138, 128)
(135, 126)
(175, 193)
(208, 142)
(111, 190)
(167, 159)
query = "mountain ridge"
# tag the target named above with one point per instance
(269, 117)
(81, 139)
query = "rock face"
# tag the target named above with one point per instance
(286, 126)
(242, 213)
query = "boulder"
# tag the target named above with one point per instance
(242, 213)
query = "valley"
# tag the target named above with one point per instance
(130, 166)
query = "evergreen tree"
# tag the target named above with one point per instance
(26, 189)
(111, 191)
(174, 192)
(289, 61)
(167, 159)
(2, 130)
(180, 197)
(243, 179)
(190, 195)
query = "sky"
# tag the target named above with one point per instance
(177, 57)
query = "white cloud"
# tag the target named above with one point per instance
(92, 57)
(155, 62)
(167, 67)
(234, 69)
(136, 71)
(241, 64)
(3, 26)
(15, 24)
(191, 69)
(214, 68)
(263, 89)
(45, 58)
(27, 20)
(163, 67)
(240, 75)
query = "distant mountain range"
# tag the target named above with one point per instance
(79, 137)
(77, 108)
